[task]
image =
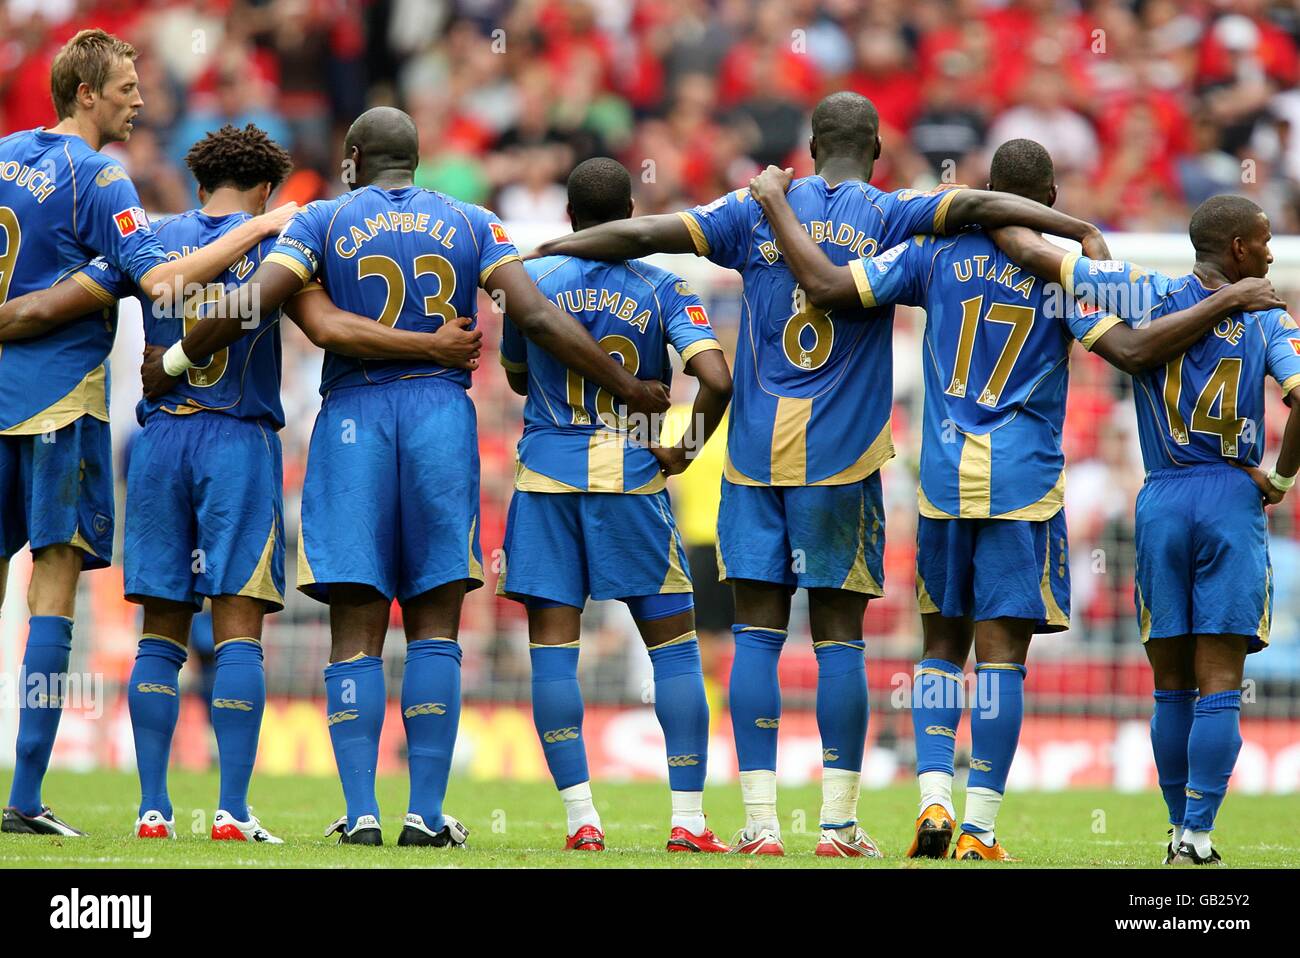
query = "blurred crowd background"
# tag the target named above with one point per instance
(1147, 107)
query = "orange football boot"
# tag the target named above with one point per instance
(934, 828)
(588, 838)
(971, 849)
(681, 840)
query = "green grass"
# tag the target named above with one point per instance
(522, 825)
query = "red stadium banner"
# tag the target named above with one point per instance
(499, 742)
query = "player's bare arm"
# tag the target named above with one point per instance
(237, 315)
(825, 284)
(1274, 486)
(618, 240)
(164, 281)
(711, 400)
(45, 310)
(518, 382)
(564, 337)
(453, 344)
(1136, 350)
(990, 210)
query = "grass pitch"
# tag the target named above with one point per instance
(522, 825)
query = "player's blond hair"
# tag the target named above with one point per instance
(87, 58)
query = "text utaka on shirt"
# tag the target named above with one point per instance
(1206, 406)
(813, 389)
(242, 380)
(61, 205)
(411, 258)
(573, 440)
(996, 372)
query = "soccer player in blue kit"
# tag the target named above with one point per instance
(203, 507)
(809, 430)
(62, 203)
(992, 552)
(1203, 588)
(590, 515)
(390, 502)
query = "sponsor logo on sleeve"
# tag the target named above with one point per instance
(698, 316)
(131, 220)
(1295, 345)
(499, 233)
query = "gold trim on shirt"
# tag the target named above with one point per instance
(790, 441)
(941, 211)
(88, 398)
(512, 366)
(862, 283)
(700, 346)
(86, 282)
(876, 455)
(1290, 383)
(1103, 325)
(697, 234)
(975, 476)
(488, 270)
(1067, 272)
(291, 264)
(1039, 511)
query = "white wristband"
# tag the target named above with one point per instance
(175, 361)
(1281, 483)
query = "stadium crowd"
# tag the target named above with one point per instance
(1148, 108)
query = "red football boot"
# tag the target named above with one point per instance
(588, 838)
(680, 840)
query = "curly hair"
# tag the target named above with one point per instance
(240, 158)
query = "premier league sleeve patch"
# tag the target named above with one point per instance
(131, 220)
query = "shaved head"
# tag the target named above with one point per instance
(1024, 167)
(386, 139)
(845, 124)
(1220, 220)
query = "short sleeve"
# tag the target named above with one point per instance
(104, 280)
(300, 247)
(1121, 289)
(1088, 323)
(1283, 359)
(686, 323)
(897, 276)
(917, 211)
(494, 244)
(514, 348)
(721, 230)
(115, 226)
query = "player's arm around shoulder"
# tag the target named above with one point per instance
(453, 345)
(564, 337)
(45, 310)
(825, 284)
(1136, 350)
(624, 239)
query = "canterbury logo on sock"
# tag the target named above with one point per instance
(155, 687)
(940, 730)
(426, 708)
(767, 722)
(237, 704)
(347, 715)
(830, 755)
(981, 765)
(678, 761)
(1192, 793)
(562, 735)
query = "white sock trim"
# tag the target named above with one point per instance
(840, 787)
(578, 806)
(758, 792)
(688, 811)
(936, 789)
(982, 811)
